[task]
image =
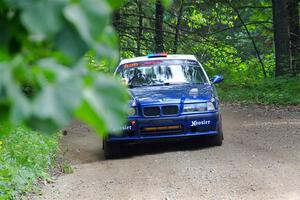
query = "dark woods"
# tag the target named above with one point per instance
(257, 37)
(286, 36)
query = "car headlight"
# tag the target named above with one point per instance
(198, 107)
(195, 107)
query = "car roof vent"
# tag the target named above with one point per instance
(194, 92)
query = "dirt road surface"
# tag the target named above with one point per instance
(259, 159)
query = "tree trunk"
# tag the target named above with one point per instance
(159, 38)
(177, 31)
(116, 21)
(294, 34)
(281, 37)
(140, 29)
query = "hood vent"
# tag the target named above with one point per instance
(194, 92)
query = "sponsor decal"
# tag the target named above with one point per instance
(124, 128)
(152, 62)
(200, 123)
(130, 65)
(192, 62)
(139, 64)
(156, 62)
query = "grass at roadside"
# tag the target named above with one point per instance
(26, 156)
(279, 91)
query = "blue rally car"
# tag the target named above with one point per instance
(171, 97)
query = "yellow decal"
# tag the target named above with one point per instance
(129, 65)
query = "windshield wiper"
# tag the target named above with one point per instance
(168, 83)
(134, 86)
(176, 83)
(159, 84)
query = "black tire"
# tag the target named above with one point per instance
(217, 140)
(111, 149)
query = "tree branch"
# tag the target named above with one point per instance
(250, 37)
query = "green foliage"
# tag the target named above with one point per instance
(280, 91)
(25, 156)
(166, 3)
(66, 168)
(98, 66)
(95, 104)
(215, 31)
(44, 76)
(211, 30)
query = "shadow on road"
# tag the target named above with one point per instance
(83, 146)
(141, 149)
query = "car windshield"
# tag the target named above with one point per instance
(162, 73)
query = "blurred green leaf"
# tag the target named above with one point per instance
(115, 3)
(21, 107)
(57, 101)
(103, 106)
(90, 17)
(70, 43)
(106, 47)
(43, 18)
(35, 87)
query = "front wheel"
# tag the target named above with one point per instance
(217, 139)
(112, 149)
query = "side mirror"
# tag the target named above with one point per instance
(217, 79)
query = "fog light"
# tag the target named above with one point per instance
(132, 111)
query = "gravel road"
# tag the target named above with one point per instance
(259, 159)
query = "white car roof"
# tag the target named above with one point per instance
(169, 57)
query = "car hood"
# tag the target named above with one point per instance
(172, 94)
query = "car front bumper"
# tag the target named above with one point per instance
(191, 125)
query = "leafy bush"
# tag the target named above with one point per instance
(280, 91)
(25, 156)
(42, 62)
